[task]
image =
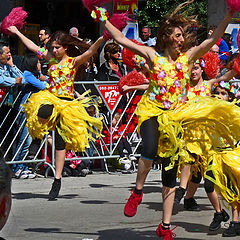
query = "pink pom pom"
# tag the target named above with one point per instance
(119, 21)
(234, 5)
(15, 18)
(91, 4)
(131, 79)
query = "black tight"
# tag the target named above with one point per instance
(150, 135)
(45, 112)
(209, 185)
(124, 144)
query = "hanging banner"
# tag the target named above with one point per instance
(110, 94)
(130, 6)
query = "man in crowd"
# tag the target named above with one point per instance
(44, 37)
(146, 39)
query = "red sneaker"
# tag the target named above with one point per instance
(130, 208)
(165, 234)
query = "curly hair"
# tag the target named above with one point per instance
(109, 49)
(173, 20)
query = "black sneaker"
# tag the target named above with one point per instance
(179, 194)
(217, 219)
(233, 230)
(56, 186)
(191, 205)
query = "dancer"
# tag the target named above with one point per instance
(198, 86)
(222, 175)
(55, 108)
(160, 128)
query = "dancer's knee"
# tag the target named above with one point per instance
(208, 186)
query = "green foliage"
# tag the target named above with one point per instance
(155, 10)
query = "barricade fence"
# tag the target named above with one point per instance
(15, 139)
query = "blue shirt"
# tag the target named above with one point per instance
(8, 75)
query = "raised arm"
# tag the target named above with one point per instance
(28, 43)
(79, 60)
(197, 52)
(147, 52)
(226, 77)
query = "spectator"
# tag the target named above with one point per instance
(111, 69)
(32, 77)
(44, 37)
(9, 73)
(5, 192)
(123, 144)
(214, 49)
(146, 39)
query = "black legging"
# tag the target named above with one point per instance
(209, 185)
(124, 144)
(150, 135)
(45, 112)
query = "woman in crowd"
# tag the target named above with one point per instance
(55, 107)
(170, 62)
(111, 69)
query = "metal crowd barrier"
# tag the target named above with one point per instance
(110, 96)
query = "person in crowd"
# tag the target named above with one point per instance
(119, 137)
(112, 69)
(44, 38)
(170, 63)
(223, 46)
(9, 73)
(35, 82)
(146, 37)
(5, 191)
(54, 108)
(227, 37)
(214, 49)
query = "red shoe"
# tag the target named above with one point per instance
(165, 234)
(130, 208)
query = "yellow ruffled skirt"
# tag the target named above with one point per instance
(70, 118)
(194, 128)
(225, 166)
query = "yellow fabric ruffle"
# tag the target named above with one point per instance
(226, 171)
(70, 118)
(196, 127)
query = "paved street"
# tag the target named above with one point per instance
(91, 208)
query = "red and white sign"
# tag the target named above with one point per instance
(110, 94)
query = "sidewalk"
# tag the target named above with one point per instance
(91, 208)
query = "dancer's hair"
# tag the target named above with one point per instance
(173, 20)
(74, 46)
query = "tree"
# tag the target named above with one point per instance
(155, 10)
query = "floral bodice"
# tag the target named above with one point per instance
(169, 82)
(61, 78)
(202, 90)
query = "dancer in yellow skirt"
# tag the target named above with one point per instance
(55, 108)
(164, 119)
(223, 172)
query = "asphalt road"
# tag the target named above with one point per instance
(91, 208)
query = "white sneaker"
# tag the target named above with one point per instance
(132, 157)
(127, 166)
(20, 174)
(124, 160)
(30, 174)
